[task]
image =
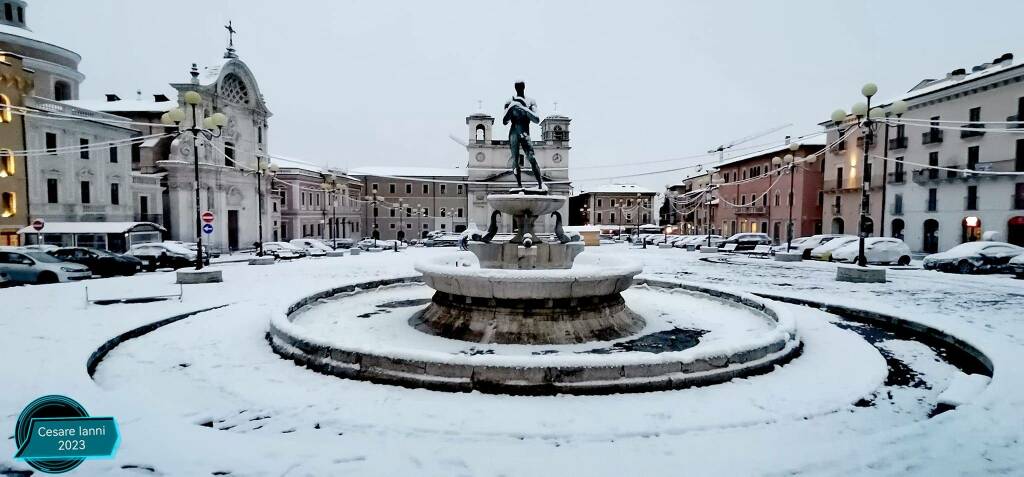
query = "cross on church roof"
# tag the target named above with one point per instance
(231, 41)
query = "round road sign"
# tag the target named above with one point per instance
(207, 229)
(207, 216)
(38, 224)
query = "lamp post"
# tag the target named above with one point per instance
(707, 204)
(585, 212)
(328, 186)
(866, 116)
(400, 236)
(372, 201)
(263, 166)
(213, 127)
(790, 163)
(345, 204)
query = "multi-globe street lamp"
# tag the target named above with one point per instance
(263, 167)
(212, 128)
(866, 118)
(372, 201)
(790, 163)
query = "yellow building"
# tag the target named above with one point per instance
(15, 83)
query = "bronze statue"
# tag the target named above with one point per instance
(520, 111)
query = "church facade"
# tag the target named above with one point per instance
(489, 172)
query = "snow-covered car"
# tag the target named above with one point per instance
(747, 240)
(443, 240)
(367, 243)
(283, 250)
(195, 247)
(824, 251)
(804, 245)
(313, 247)
(42, 247)
(699, 241)
(881, 250)
(100, 262)
(163, 255)
(341, 243)
(974, 257)
(1016, 265)
(33, 266)
(391, 244)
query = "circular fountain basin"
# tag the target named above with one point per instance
(691, 336)
(554, 306)
(460, 274)
(523, 204)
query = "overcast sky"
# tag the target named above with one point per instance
(385, 83)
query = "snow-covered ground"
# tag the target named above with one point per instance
(206, 394)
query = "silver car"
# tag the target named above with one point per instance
(28, 266)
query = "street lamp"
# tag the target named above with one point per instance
(707, 202)
(790, 162)
(328, 186)
(213, 127)
(867, 118)
(263, 166)
(372, 201)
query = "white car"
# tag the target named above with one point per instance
(974, 257)
(804, 245)
(283, 250)
(824, 251)
(882, 250)
(33, 266)
(313, 247)
(163, 255)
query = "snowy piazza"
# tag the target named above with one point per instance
(599, 238)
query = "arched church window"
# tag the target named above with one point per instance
(480, 130)
(234, 89)
(229, 154)
(61, 91)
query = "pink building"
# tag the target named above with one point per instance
(747, 200)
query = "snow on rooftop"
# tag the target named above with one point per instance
(28, 34)
(617, 189)
(124, 105)
(85, 227)
(408, 171)
(815, 141)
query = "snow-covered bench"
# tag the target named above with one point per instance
(760, 251)
(728, 248)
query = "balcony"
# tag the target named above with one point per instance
(839, 146)
(933, 136)
(750, 210)
(1005, 165)
(976, 130)
(871, 138)
(898, 177)
(1015, 120)
(898, 143)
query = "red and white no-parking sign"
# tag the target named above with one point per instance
(38, 224)
(207, 217)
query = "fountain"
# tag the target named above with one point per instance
(532, 314)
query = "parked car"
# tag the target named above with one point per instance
(747, 240)
(824, 251)
(283, 250)
(443, 240)
(194, 247)
(390, 244)
(1016, 265)
(163, 255)
(698, 241)
(974, 257)
(42, 247)
(804, 245)
(312, 246)
(365, 244)
(882, 250)
(4, 279)
(341, 243)
(100, 262)
(33, 266)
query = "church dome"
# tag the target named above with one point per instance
(56, 67)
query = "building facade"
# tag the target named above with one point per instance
(627, 206)
(15, 85)
(753, 194)
(689, 205)
(227, 164)
(933, 209)
(489, 171)
(406, 203)
(307, 209)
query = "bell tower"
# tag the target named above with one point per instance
(479, 126)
